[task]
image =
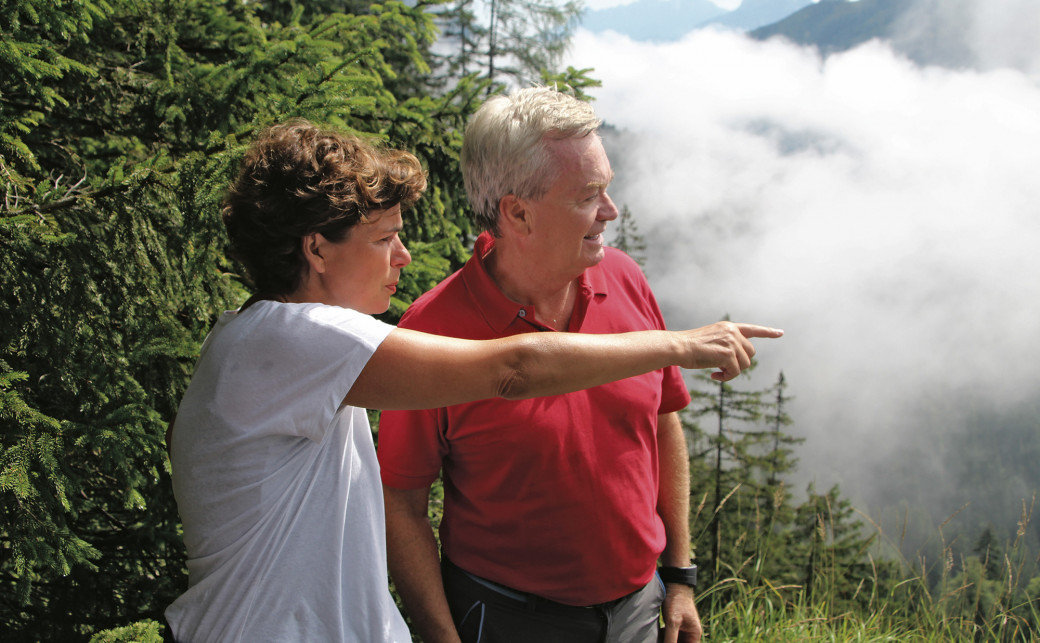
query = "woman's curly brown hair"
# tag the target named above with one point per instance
(298, 180)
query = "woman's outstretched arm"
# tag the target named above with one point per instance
(413, 370)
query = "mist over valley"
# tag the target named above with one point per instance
(884, 211)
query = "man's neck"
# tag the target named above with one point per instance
(551, 296)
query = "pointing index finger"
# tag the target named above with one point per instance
(754, 330)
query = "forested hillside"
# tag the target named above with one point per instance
(838, 25)
(120, 126)
(928, 32)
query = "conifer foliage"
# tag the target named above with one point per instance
(747, 526)
(506, 41)
(627, 237)
(120, 125)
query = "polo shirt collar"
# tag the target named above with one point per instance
(499, 310)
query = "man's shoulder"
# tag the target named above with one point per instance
(618, 265)
(620, 259)
(434, 309)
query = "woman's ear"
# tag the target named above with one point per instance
(313, 246)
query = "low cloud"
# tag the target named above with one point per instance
(887, 216)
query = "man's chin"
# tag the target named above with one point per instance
(593, 258)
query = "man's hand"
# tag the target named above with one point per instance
(726, 346)
(682, 623)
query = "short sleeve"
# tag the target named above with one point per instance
(411, 447)
(289, 366)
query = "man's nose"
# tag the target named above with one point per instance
(608, 211)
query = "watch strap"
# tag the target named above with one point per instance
(681, 575)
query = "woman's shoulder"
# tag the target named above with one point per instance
(307, 320)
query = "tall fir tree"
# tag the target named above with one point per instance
(463, 34)
(739, 460)
(718, 452)
(829, 549)
(627, 237)
(120, 126)
(507, 41)
(775, 511)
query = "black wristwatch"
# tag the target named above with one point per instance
(681, 575)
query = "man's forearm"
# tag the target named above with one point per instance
(415, 569)
(682, 622)
(673, 503)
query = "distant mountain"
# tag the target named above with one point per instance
(838, 25)
(942, 33)
(657, 20)
(931, 32)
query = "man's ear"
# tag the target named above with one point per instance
(513, 213)
(313, 246)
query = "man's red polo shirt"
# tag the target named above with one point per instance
(556, 496)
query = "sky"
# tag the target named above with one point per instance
(593, 5)
(886, 216)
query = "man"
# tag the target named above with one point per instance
(556, 510)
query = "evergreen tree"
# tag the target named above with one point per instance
(738, 472)
(464, 33)
(986, 586)
(627, 237)
(574, 81)
(120, 126)
(829, 545)
(508, 41)
(990, 552)
(516, 25)
(728, 409)
(773, 498)
(781, 455)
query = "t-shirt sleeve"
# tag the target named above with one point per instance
(674, 394)
(296, 364)
(336, 343)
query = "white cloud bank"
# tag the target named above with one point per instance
(886, 216)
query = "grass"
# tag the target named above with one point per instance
(761, 615)
(973, 599)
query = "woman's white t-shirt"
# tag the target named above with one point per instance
(277, 483)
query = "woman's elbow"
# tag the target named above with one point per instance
(514, 386)
(522, 375)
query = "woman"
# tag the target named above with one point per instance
(274, 469)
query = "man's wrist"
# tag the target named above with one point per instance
(679, 575)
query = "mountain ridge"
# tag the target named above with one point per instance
(928, 32)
